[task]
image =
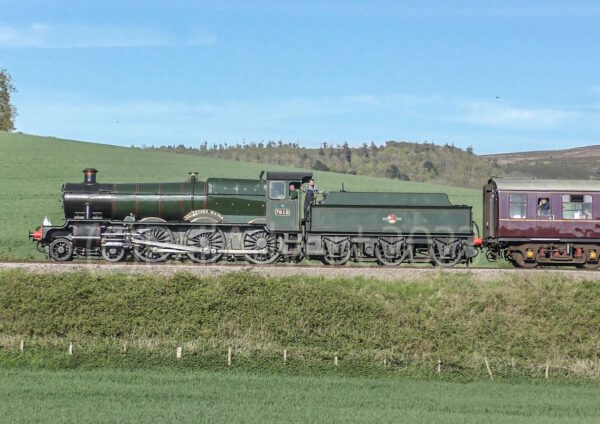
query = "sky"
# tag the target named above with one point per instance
(498, 76)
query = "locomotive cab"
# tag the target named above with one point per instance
(283, 202)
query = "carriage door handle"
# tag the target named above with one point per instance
(552, 217)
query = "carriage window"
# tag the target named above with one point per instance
(543, 206)
(277, 190)
(517, 205)
(577, 206)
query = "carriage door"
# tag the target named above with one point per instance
(546, 206)
(282, 210)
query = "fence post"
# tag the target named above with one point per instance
(547, 368)
(229, 356)
(489, 370)
(70, 348)
(439, 367)
(284, 356)
(335, 360)
(179, 352)
(22, 347)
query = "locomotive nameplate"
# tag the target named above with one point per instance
(204, 214)
(282, 212)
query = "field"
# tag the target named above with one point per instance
(110, 396)
(33, 169)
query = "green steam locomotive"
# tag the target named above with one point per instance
(261, 221)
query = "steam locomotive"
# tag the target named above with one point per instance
(261, 221)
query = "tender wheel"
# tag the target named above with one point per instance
(260, 240)
(519, 261)
(61, 250)
(337, 253)
(113, 253)
(148, 253)
(446, 254)
(210, 238)
(391, 254)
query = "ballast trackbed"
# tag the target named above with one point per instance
(368, 272)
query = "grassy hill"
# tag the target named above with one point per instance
(579, 163)
(33, 169)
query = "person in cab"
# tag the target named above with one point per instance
(293, 192)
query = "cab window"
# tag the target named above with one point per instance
(577, 206)
(277, 190)
(543, 206)
(517, 205)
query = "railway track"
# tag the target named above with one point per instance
(380, 273)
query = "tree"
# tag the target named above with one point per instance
(392, 171)
(319, 166)
(347, 153)
(8, 112)
(429, 166)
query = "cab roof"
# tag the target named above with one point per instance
(289, 176)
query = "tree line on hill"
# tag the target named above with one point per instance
(408, 161)
(8, 112)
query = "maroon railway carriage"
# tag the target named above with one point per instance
(542, 222)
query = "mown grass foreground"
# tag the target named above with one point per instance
(523, 326)
(152, 396)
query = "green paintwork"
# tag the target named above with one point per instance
(277, 221)
(456, 220)
(236, 187)
(238, 200)
(403, 213)
(386, 199)
(245, 201)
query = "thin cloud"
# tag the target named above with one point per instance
(43, 36)
(506, 116)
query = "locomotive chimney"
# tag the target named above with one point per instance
(89, 176)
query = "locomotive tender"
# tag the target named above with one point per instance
(542, 222)
(259, 221)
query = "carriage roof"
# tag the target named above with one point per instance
(532, 184)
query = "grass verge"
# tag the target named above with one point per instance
(521, 325)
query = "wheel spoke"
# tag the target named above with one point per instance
(146, 253)
(260, 240)
(61, 250)
(213, 239)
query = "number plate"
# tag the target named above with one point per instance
(282, 212)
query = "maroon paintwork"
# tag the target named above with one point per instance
(498, 224)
